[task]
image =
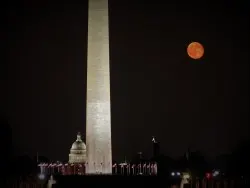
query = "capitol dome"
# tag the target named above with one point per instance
(78, 144)
(78, 151)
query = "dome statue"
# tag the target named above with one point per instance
(78, 151)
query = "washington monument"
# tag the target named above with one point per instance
(98, 125)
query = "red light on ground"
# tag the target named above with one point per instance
(208, 175)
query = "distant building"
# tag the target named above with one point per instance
(156, 148)
(78, 151)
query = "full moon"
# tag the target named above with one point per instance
(195, 50)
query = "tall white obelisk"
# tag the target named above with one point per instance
(98, 125)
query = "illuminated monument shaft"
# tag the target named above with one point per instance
(98, 125)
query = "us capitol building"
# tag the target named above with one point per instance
(78, 151)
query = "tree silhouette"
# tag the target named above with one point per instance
(24, 166)
(197, 163)
(237, 162)
(6, 149)
(240, 158)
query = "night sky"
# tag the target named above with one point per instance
(156, 89)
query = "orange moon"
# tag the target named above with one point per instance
(195, 50)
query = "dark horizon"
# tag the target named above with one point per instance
(156, 89)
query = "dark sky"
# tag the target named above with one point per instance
(156, 89)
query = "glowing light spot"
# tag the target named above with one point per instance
(41, 176)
